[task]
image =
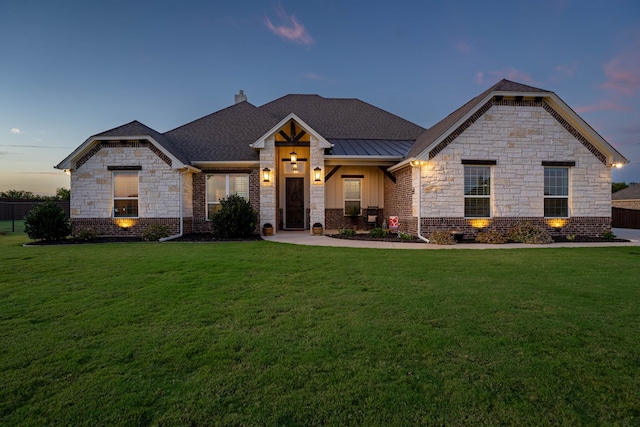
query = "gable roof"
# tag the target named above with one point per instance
(437, 130)
(433, 140)
(630, 193)
(131, 130)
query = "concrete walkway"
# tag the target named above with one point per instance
(305, 238)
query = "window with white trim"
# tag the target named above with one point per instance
(477, 191)
(125, 194)
(221, 186)
(556, 192)
(352, 195)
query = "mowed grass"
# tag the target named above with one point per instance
(266, 334)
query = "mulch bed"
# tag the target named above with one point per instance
(196, 237)
(366, 237)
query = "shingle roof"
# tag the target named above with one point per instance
(437, 130)
(629, 193)
(136, 128)
(224, 135)
(344, 118)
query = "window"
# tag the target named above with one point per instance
(221, 186)
(477, 191)
(352, 196)
(556, 192)
(125, 194)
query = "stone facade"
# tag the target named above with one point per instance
(159, 188)
(518, 138)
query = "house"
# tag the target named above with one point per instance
(512, 153)
(627, 198)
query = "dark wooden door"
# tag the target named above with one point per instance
(295, 203)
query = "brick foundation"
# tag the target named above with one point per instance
(109, 227)
(581, 226)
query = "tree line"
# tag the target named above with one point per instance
(61, 194)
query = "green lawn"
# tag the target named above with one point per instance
(261, 333)
(9, 226)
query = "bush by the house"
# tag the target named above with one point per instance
(155, 232)
(347, 232)
(378, 233)
(442, 238)
(87, 234)
(236, 218)
(528, 232)
(492, 237)
(47, 221)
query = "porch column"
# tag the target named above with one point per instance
(268, 189)
(316, 193)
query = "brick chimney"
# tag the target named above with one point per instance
(241, 97)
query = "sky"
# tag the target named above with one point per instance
(72, 69)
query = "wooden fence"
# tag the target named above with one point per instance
(625, 218)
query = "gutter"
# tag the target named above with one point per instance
(176, 236)
(419, 164)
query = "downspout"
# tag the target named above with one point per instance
(420, 203)
(176, 236)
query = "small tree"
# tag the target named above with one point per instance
(236, 218)
(47, 221)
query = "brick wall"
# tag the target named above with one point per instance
(200, 223)
(584, 226)
(399, 200)
(626, 204)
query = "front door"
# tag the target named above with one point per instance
(295, 203)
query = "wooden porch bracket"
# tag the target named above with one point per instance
(388, 174)
(330, 174)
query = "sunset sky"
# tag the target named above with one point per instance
(71, 69)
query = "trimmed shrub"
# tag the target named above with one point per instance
(236, 218)
(528, 232)
(347, 232)
(378, 233)
(442, 238)
(155, 232)
(493, 237)
(87, 234)
(47, 221)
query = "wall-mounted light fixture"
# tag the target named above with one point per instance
(317, 174)
(125, 223)
(294, 157)
(557, 223)
(294, 167)
(266, 175)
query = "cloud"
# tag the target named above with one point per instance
(291, 29)
(479, 78)
(313, 76)
(462, 47)
(623, 73)
(510, 73)
(604, 105)
(15, 131)
(567, 70)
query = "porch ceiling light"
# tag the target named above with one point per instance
(317, 174)
(266, 175)
(294, 157)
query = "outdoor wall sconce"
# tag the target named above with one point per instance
(266, 175)
(317, 174)
(294, 157)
